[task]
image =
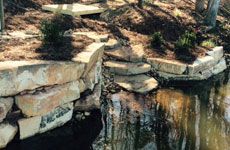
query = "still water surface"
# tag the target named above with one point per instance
(191, 117)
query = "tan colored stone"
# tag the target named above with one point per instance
(93, 76)
(169, 66)
(133, 54)
(17, 76)
(139, 83)
(217, 53)
(201, 64)
(90, 56)
(73, 9)
(5, 106)
(7, 133)
(43, 102)
(95, 36)
(111, 44)
(59, 116)
(127, 68)
(29, 126)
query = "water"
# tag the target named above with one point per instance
(195, 116)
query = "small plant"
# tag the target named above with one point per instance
(51, 30)
(184, 44)
(157, 40)
(208, 43)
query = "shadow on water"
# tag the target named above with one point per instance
(194, 117)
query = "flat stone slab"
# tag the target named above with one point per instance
(90, 56)
(31, 126)
(95, 36)
(138, 83)
(132, 54)
(217, 53)
(41, 103)
(112, 44)
(73, 9)
(7, 133)
(127, 68)
(169, 66)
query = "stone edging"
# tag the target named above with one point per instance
(202, 68)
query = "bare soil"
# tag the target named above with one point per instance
(129, 23)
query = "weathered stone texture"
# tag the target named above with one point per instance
(138, 83)
(168, 66)
(5, 106)
(217, 53)
(127, 68)
(90, 56)
(44, 102)
(17, 76)
(39, 124)
(7, 133)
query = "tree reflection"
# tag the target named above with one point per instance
(187, 118)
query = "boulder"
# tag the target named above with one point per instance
(217, 53)
(5, 106)
(93, 76)
(59, 116)
(127, 68)
(90, 56)
(41, 103)
(169, 66)
(138, 83)
(73, 9)
(220, 67)
(7, 133)
(17, 76)
(201, 64)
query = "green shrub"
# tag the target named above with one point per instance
(51, 30)
(184, 44)
(157, 39)
(208, 43)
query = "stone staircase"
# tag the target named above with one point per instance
(128, 66)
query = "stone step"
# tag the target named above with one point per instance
(131, 54)
(138, 83)
(112, 44)
(127, 68)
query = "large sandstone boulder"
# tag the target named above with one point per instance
(5, 106)
(17, 76)
(40, 103)
(39, 124)
(7, 133)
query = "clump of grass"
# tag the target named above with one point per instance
(184, 44)
(157, 40)
(51, 30)
(208, 43)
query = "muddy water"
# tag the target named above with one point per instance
(195, 116)
(191, 117)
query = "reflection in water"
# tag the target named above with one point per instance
(196, 117)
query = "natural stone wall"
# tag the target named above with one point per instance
(47, 92)
(201, 69)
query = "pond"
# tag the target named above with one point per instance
(195, 116)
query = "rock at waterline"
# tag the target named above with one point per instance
(139, 83)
